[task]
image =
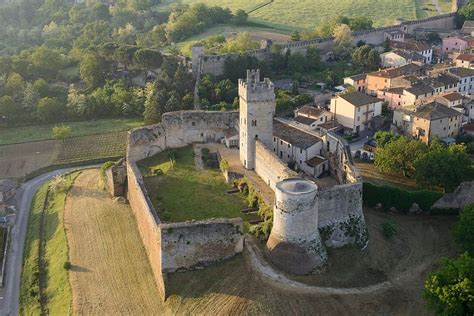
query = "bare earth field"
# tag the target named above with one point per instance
(110, 273)
(238, 287)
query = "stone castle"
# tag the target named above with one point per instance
(310, 214)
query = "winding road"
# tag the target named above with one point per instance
(10, 293)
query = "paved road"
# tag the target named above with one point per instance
(10, 293)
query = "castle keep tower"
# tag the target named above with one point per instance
(295, 244)
(257, 108)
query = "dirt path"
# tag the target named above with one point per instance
(110, 273)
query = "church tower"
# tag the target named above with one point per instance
(257, 108)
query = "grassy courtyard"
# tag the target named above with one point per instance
(183, 193)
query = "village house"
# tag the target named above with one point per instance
(399, 58)
(414, 46)
(359, 82)
(469, 129)
(7, 190)
(393, 96)
(294, 146)
(454, 43)
(382, 79)
(428, 121)
(312, 117)
(465, 61)
(465, 79)
(355, 110)
(451, 99)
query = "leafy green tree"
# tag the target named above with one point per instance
(7, 107)
(450, 290)
(313, 58)
(148, 58)
(399, 156)
(464, 230)
(295, 36)
(125, 54)
(366, 57)
(14, 84)
(49, 110)
(91, 70)
(444, 167)
(342, 41)
(382, 138)
(240, 44)
(61, 132)
(240, 17)
(46, 62)
(360, 23)
(151, 114)
(41, 87)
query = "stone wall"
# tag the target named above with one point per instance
(148, 223)
(116, 177)
(269, 167)
(214, 64)
(174, 246)
(191, 244)
(341, 217)
(179, 129)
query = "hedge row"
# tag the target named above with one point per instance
(401, 199)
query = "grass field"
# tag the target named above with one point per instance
(184, 193)
(27, 134)
(306, 14)
(58, 290)
(110, 273)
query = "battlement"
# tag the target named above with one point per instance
(253, 89)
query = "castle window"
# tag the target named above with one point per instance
(254, 122)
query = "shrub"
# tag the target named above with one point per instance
(67, 265)
(389, 229)
(401, 199)
(464, 230)
(104, 167)
(224, 165)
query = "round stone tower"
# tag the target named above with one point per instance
(294, 244)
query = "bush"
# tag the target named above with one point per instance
(389, 229)
(67, 265)
(401, 199)
(464, 230)
(104, 167)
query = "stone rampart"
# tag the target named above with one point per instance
(175, 246)
(191, 244)
(147, 222)
(269, 167)
(341, 217)
(214, 64)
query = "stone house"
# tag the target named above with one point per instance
(359, 82)
(454, 43)
(465, 61)
(417, 47)
(395, 35)
(399, 58)
(428, 121)
(465, 79)
(356, 110)
(292, 145)
(316, 114)
(383, 79)
(393, 96)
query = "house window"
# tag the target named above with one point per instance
(193, 123)
(281, 142)
(274, 139)
(301, 151)
(254, 122)
(301, 162)
(289, 146)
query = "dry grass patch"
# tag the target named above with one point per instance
(110, 273)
